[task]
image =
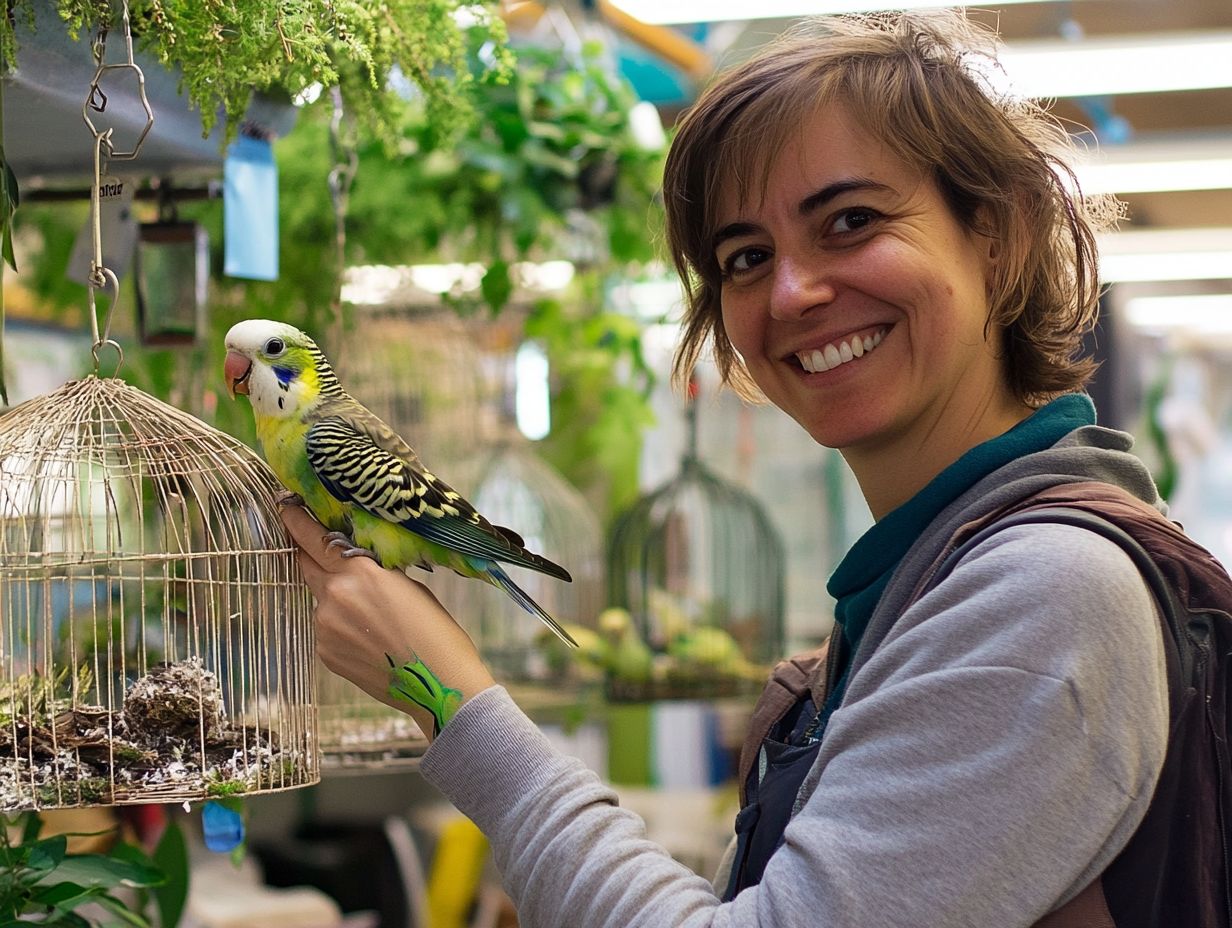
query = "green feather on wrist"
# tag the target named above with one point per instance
(413, 682)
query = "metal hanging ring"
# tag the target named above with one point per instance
(145, 104)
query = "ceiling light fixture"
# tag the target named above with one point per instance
(1194, 164)
(1166, 254)
(707, 11)
(1206, 313)
(1155, 63)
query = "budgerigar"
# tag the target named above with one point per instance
(357, 475)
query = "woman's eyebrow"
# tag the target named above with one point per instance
(733, 230)
(827, 193)
(812, 202)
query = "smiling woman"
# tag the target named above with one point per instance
(890, 253)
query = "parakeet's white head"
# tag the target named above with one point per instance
(280, 368)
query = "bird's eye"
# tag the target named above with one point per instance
(274, 347)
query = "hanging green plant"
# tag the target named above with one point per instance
(373, 49)
(550, 168)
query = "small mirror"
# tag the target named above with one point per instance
(172, 272)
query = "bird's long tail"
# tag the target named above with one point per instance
(519, 596)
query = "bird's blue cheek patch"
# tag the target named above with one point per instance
(285, 375)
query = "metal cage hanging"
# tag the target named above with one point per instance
(156, 642)
(700, 568)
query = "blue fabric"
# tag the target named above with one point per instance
(861, 578)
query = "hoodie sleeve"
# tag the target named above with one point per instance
(989, 760)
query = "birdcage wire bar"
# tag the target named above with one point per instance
(156, 633)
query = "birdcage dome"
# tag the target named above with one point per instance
(156, 641)
(512, 486)
(700, 570)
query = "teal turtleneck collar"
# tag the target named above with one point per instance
(860, 579)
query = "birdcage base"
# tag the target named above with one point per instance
(379, 737)
(169, 742)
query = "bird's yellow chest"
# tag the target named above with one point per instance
(284, 443)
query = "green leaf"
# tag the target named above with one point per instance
(496, 286)
(106, 872)
(171, 857)
(127, 915)
(10, 197)
(63, 896)
(31, 827)
(47, 854)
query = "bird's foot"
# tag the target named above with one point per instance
(349, 548)
(288, 498)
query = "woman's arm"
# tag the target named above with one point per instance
(385, 632)
(977, 769)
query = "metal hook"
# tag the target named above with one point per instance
(97, 100)
(107, 278)
(119, 355)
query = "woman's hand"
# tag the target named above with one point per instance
(385, 632)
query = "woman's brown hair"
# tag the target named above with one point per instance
(914, 82)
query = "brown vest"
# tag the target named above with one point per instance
(1190, 782)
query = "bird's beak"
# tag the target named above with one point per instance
(236, 369)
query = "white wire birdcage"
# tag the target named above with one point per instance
(156, 642)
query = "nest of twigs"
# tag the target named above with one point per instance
(170, 740)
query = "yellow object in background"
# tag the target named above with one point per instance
(457, 866)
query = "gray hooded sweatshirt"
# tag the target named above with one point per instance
(991, 755)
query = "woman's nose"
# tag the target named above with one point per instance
(799, 287)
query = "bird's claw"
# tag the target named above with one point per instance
(288, 498)
(349, 548)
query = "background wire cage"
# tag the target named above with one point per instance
(420, 371)
(513, 486)
(700, 569)
(156, 642)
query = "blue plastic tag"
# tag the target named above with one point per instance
(250, 209)
(222, 828)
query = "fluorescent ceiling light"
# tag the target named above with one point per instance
(378, 284)
(1153, 63)
(1207, 313)
(1200, 164)
(1166, 254)
(708, 11)
(1160, 62)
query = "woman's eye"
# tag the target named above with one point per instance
(853, 220)
(745, 260)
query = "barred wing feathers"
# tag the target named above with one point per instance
(361, 461)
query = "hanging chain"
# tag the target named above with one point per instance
(101, 276)
(342, 145)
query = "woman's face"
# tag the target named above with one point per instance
(858, 301)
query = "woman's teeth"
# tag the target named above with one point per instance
(832, 355)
